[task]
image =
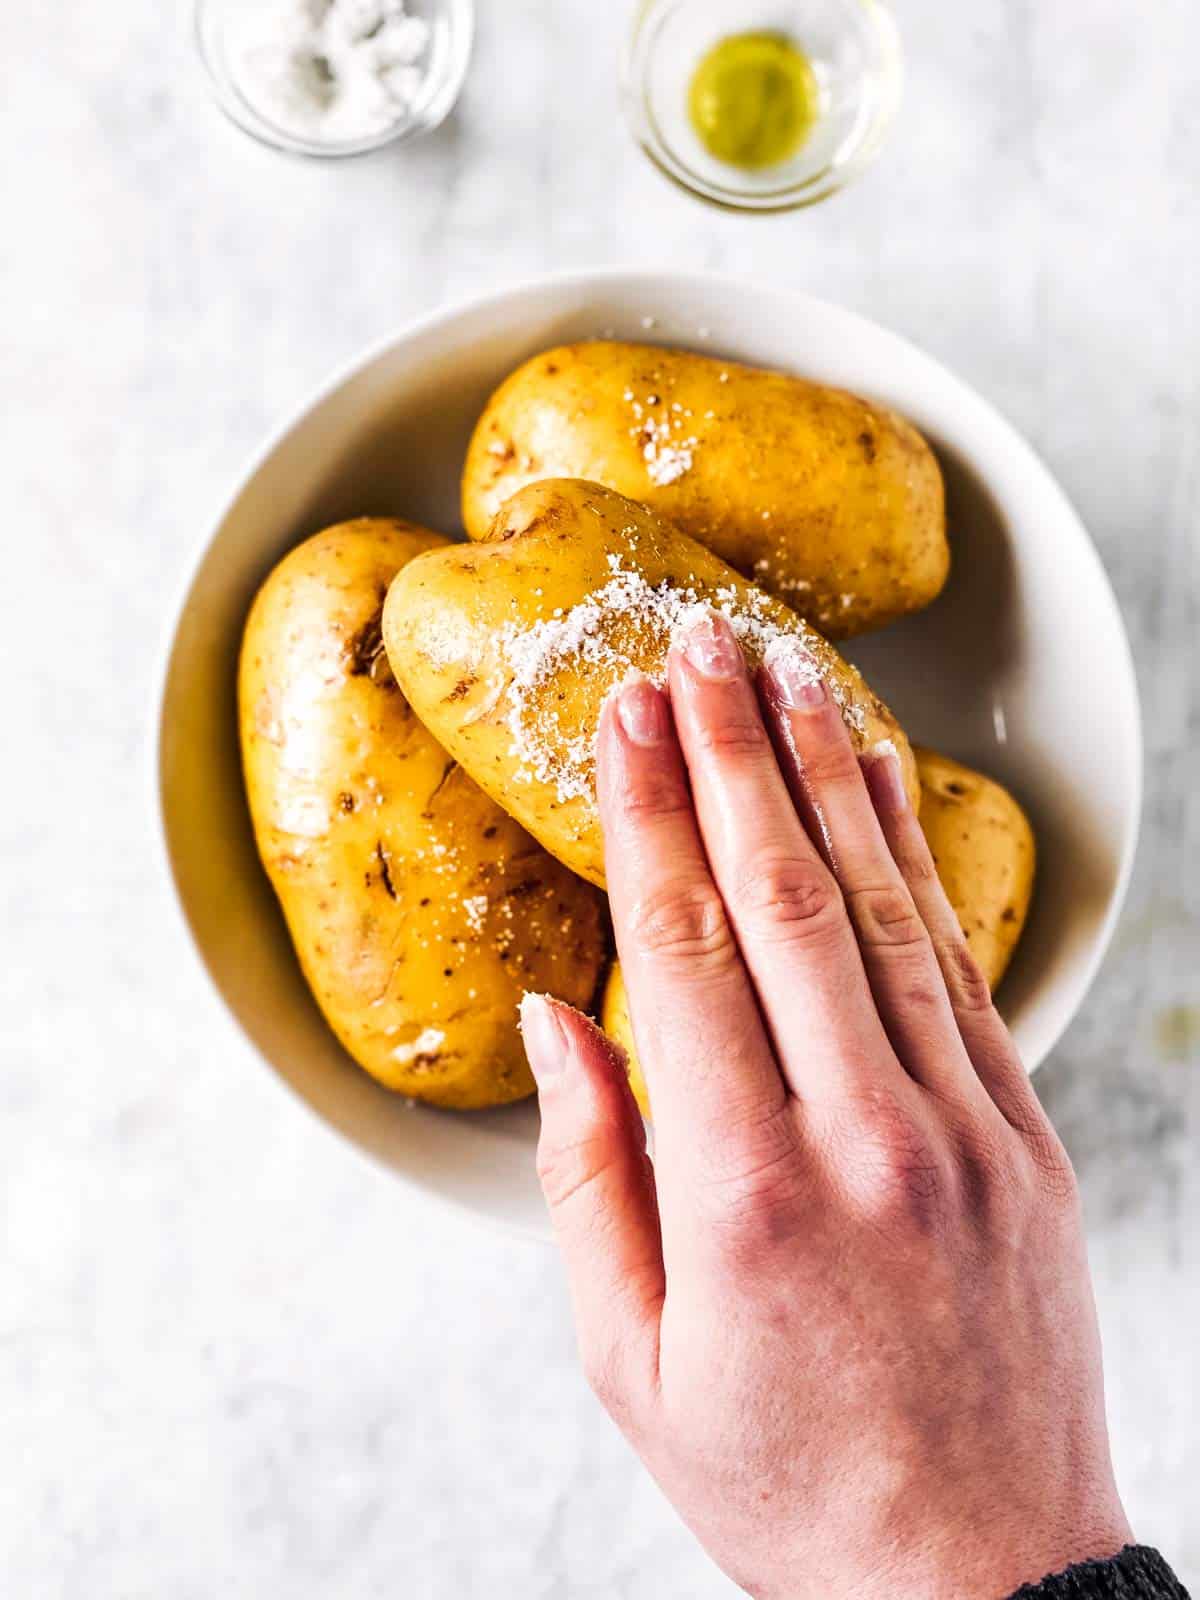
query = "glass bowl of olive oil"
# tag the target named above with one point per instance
(758, 106)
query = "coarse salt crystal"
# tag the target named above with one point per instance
(330, 73)
(584, 639)
(667, 458)
(425, 1044)
(666, 464)
(476, 908)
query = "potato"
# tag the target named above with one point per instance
(507, 649)
(618, 1025)
(985, 854)
(832, 503)
(984, 850)
(418, 909)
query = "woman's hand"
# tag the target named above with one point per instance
(845, 1319)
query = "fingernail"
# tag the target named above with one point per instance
(885, 781)
(642, 711)
(712, 650)
(544, 1037)
(795, 675)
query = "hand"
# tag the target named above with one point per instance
(845, 1318)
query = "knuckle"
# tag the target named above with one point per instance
(988, 1161)
(828, 760)
(795, 896)
(1011, 1167)
(569, 1169)
(970, 992)
(913, 855)
(1052, 1165)
(921, 1001)
(734, 736)
(918, 869)
(655, 794)
(886, 918)
(685, 923)
(900, 1178)
(911, 1189)
(755, 1183)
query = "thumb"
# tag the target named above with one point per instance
(599, 1186)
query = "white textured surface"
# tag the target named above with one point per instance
(232, 1360)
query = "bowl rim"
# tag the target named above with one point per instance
(582, 281)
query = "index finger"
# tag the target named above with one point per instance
(710, 1072)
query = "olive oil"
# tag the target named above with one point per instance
(753, 99)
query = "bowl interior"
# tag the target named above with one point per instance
(1021, 667)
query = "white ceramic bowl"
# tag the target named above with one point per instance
(1021, 667)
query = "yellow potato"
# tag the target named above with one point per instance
(418, 909)
(507, 649)
(984, 850)
(618, 1025)
(985, 854)
(832, 503)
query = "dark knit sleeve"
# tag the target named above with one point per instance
(1136, 1574)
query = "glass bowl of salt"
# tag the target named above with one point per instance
(335, 77)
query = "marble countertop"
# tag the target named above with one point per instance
(232, 1360)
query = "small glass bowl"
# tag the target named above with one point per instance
(854, 48)
(452, 29)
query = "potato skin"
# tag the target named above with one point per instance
(985, 853)
(618, 1025)
(833, 504)
(984, 849)
(459, 623)
(419, 911)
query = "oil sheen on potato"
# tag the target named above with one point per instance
(753, 99)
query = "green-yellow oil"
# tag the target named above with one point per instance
(753, 99)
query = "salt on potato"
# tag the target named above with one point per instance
(831, 501)
(507, 648)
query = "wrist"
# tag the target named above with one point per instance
(985, 1549)
(986, 1558)
(1135, 1573)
